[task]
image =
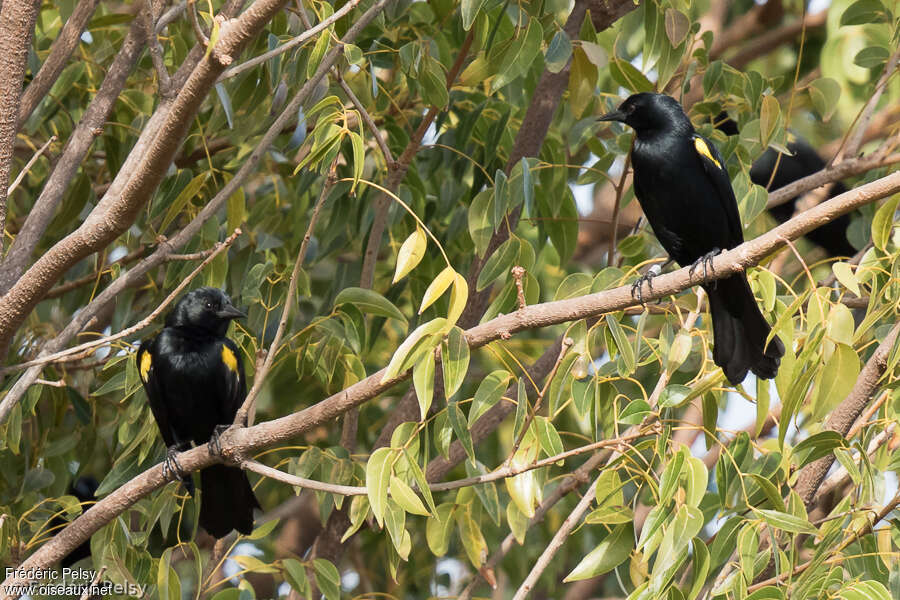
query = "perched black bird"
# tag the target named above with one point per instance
(194, 380)
(84, 489)
(685, 192)
(803, 161)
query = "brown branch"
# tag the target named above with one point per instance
(30, 164)
(63, 45)
(89, 128)
(240, 442)
(856, 138)
(770, 40)
(16, 30)
(841, 418)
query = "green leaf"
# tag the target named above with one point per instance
(824, 94)
(433, 83)
(499, 263)
(768, 118)
(454, 361)
(816, 446)
(189, 192)
(419, 476)
(378, 478)
(423, 381)
(521, 408)
(294, 574)
(787, 522)
(701, 561)
(582, 81)
(327, 578)
(489, 392)
(628, 76)
(883, 222)
(769, 489)
(520, 55)
(837, 380)
(469, 10)
(369, 302)
(673, 395)
(359, 158)
(558, 52)
(843, 272)
(573, 286)
(479, 221)
(460, 428)
(864, 11)
(871, 57)
(423, 339)
(411, 253)
(437, 530)
(609, 554)
(406, 498)
(626, 351)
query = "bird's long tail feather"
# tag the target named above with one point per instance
(226, 501)
(740, 331)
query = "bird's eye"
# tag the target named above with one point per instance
(209, 305)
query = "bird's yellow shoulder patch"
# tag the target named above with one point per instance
(144, 367)
(703, 150)
(229, 359)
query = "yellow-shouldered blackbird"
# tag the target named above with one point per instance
(194, 378)
(685, 192)
(803, 161)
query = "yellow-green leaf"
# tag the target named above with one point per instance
(378, 478)
(843, 272)
(437, 287)
(406, 497)
(411, 253)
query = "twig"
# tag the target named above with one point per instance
(856, 138)
(88, 592)
(303, 37)
(367, 119)
(502, 472)
(617, 206)
(156, 52)
(81, 348)
(518, 273)
(260, 376)
(195, 23)
(29, 164)
(564, 347)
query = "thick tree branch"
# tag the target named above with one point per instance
(242, 442)
(841, 418)
(62, 48)
(16, 29)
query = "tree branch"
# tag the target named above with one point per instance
(841, 418)
(16, 30)
(62, 48)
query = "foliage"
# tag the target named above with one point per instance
(669, 519)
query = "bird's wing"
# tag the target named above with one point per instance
(155, 393)
(235, 383)
(714, 167)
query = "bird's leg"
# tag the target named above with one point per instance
(652, 272)
(171, 466)
(214, 445)
(706, 261)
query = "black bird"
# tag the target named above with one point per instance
(803, 161)
(685, 192)
(84, 489)
(195, 383)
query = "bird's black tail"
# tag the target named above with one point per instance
(740, 331)
(226, 501)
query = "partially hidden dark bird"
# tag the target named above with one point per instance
(788, 168)
(194, 379)
(684, 190)
(84, 488)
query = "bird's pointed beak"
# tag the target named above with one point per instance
(616, 115)
(230, 312)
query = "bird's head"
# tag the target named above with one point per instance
(209, 309)
(649, 113)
